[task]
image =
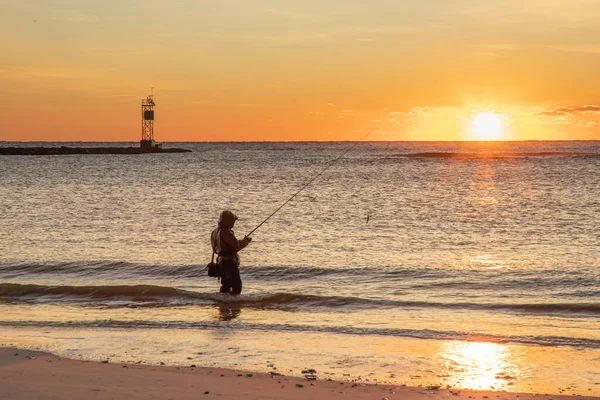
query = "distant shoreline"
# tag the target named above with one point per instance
(65, 150)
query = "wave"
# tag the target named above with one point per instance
(120, 269)
(12, 290)
(98, 269)
(124, 269)
(430, 334)
(553, 283)
(161, 296)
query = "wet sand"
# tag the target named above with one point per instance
(28, 374)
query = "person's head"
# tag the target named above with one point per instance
(227, 219)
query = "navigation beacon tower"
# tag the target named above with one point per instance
(148, 104)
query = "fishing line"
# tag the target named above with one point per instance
(312, 180)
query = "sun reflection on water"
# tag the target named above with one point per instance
(482, 366)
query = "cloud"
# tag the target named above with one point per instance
(587, 124)
(578, 48)
(50, 11)
(309, 35)
(76, 16)
(503, 47)
(292, 14)
(487, 55)
(419, 111)
(561, 111)
(27, 73)
(249, 105)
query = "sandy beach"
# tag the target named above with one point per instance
(28, 374)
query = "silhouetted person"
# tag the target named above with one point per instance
(226, 246)
(229, 311)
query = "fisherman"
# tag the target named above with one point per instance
(226, 246)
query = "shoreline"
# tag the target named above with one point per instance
(26, 374)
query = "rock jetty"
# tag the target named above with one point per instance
(64, 150)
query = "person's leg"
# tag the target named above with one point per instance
(228, 273)
(225, 286)
(236, 283)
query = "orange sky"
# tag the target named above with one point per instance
(299, 70)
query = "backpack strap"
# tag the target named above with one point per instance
(212, 260)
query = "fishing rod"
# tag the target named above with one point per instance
(312, 180)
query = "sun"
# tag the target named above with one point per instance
(487, 126)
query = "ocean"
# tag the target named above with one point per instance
(462, 264)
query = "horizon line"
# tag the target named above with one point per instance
(309, 141)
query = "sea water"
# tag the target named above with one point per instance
(474, 265)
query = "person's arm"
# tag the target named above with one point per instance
(244, 242)
(232, 243)
(213, 240)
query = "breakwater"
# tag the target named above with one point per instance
(65, 150)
